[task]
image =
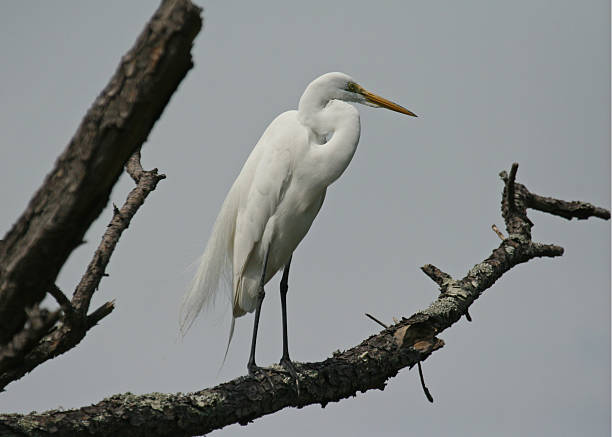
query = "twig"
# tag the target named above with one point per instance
(134, 167)
(376, 320)
(510, 184)
(498, 232)
(62, 300)
(425, 389)
(437, 275)
(514, 208)
(567, 210)
(102, 311)
(467, 316)
(147, 182)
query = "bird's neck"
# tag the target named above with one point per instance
(335, 128)
(310, 110)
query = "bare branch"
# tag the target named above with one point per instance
(498, 232)
(358, 369)
(437, 275)
(40, 321)
(76, 323)
(568, 210)
(62, 300)
(425, 389)
(371, 317)
(238, 401)
(147, 182)
(134, 167)
(467, 316)
(514, 208)
(103, 311)
(77, 189)
(510, 185)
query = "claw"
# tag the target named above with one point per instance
(255, 370)
(290, 367)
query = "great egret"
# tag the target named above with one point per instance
(275, 198)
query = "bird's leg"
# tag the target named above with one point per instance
(285, 360)
(284, 287)
(251, 366)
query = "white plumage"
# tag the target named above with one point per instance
(277, 195)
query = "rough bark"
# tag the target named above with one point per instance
(366, 366)
(77, 189)
(43, 343)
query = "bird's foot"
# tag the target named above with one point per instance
(290, 367)
(256, 371)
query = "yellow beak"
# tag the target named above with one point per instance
(382, 102)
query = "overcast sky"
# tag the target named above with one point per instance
(492, 83)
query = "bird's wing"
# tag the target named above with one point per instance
(270, 180)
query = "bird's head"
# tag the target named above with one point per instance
(341, 86)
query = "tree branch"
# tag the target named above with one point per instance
(146, 182)
(63, 301)
(40, 322)
(436, 275)
(75, 323)
(76, 191)
(78, 187)
(363, 367)
(568, 210)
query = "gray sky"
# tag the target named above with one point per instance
(492, 82)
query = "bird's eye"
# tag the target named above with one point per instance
(352, 87)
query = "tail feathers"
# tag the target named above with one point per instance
(215, 267)
(229, 340)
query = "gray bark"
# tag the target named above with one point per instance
(78, 188)
(364, 367)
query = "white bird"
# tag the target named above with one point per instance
(275, 199)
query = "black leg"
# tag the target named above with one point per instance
(285, 360)
(284, 287)
(251, 366)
